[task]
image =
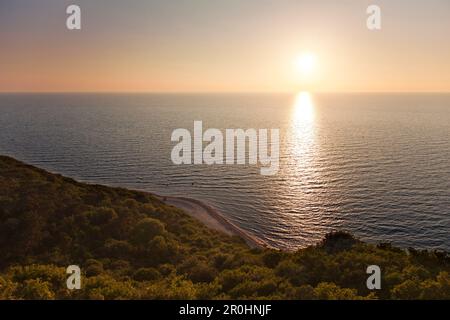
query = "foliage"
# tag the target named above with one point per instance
(130, 245)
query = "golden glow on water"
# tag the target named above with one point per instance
(303, 109)
(299, 171)
(302, 144)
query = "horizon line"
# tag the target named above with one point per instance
(225, 92)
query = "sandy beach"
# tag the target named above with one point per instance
(212, 218)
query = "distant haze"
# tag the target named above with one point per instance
(224, 46)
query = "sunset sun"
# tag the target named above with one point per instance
(196, 155)
(305, 64)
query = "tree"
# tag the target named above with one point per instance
(146, 230)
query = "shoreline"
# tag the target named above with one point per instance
(199, 210)
(210, 217)
(207, 214)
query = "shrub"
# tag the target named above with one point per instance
(101, 216)
(146, 230)
(146, 274)
(231, 278)
(37, 290)
(93, 268)
(330, 291)
(7, 289)
(117, 248)
(166, 269)
(290, 270)
(271, 258)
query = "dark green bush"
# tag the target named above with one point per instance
(130, 245)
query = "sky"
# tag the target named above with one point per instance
(224, 46)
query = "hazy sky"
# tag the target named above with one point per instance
(224, 45)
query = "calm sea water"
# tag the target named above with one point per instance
(377, 165)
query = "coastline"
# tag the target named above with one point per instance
(122, 236)
(199, 210)
(211, 217)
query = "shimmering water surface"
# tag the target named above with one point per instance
(377, 165)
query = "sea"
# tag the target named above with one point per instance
(373, 164)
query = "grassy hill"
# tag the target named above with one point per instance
(130, 245)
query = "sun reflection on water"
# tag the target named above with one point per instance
(303, 127)
(302, 146)
(300, 170)
(303, 109)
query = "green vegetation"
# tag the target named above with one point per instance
(130, 245)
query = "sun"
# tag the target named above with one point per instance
(305, 64)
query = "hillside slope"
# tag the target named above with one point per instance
(130, 245)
